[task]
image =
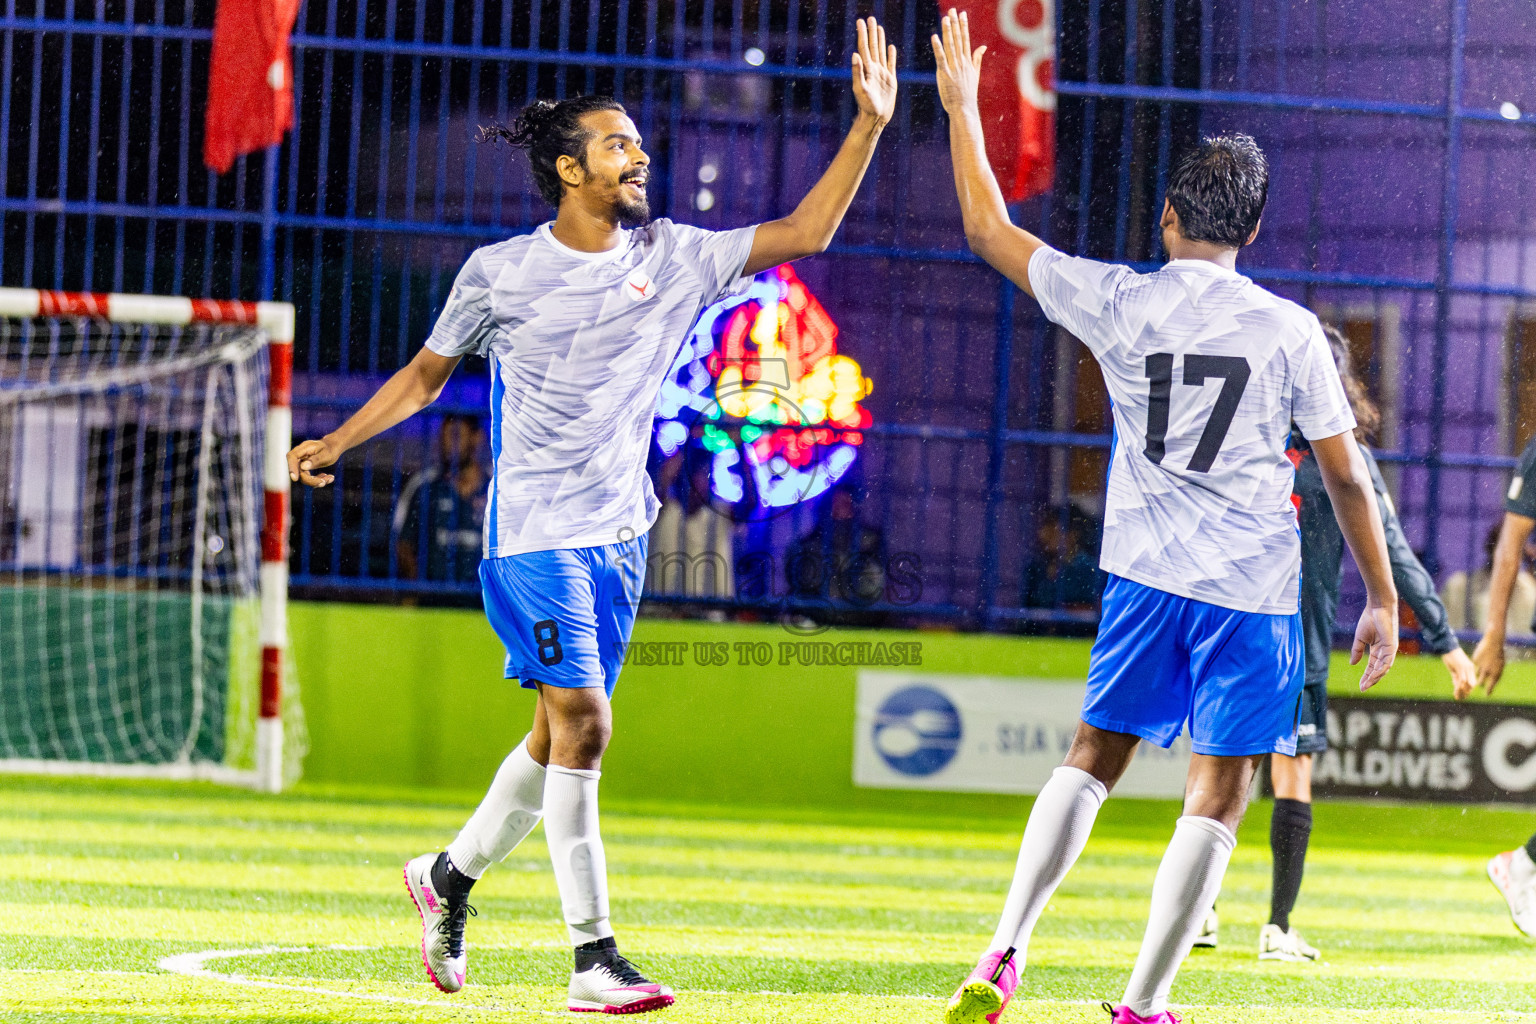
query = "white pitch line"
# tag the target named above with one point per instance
(78, 970)
(191, 965)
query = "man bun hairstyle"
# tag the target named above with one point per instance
(1219, 189)
(548, 130)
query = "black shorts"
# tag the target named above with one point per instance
(1312, 718)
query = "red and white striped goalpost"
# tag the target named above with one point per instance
(277, 319)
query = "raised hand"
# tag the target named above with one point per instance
(307, 456)
(874, 72)
(959, 67)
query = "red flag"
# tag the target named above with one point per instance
(1018, 94)
(250, 79)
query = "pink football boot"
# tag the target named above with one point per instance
(1124, 1015)
(986, 992)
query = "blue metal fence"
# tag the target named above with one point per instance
(1393, 134)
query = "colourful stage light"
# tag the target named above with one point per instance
(670, 436)
(762, 371)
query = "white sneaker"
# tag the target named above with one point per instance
(614, 986)
(442, 926)
(1206, 939)
(1521, 898)
(1275, 944)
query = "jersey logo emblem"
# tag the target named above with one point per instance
(639, 286)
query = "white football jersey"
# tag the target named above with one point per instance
(1207, 371)
(579, 344)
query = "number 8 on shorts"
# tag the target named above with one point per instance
(565, 615)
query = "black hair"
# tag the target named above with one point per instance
(548, 130)
(1219, 189)
(1367, 416)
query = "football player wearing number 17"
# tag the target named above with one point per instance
(1201, 619)
(580, 321)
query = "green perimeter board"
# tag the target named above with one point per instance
(415, 697)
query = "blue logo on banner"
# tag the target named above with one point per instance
(917, 730)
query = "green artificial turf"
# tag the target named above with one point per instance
(290, 908)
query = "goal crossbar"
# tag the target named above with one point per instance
(276, 320)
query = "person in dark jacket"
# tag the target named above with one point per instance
(439, 517)
(1512, 872)
(1065, 570)
(1322, 553)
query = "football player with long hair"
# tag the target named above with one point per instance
(580, 320)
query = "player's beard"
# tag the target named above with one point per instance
(634, 212)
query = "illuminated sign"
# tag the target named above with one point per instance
(762, 372)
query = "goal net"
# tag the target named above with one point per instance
(142, 625)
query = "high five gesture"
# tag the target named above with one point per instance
(991, 235)
(959, 67)
(810, 227)
(874, 72)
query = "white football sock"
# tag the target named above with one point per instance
(1182, 894)
(576, 850)
(505, 816)
(1058, 827)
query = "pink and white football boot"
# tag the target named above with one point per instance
(1503, 872)
(442, 926)
(1125, 1015)
(982, 997)
(613, 985)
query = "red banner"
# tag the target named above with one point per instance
(1018, 93)
(250, 79)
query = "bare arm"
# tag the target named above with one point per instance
(414, 387)
(990, 233)
(1489, 655)
(1348, 481)
(809, 229)
(1417, 589)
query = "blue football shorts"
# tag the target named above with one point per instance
(1161, 660)
(565, 616)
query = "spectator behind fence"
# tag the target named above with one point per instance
(840, 558)
(692, 544)
(1064, 570)
(442, 508)
(1465, 595)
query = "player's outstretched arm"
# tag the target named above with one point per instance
(990, 233)
(1417, 588)
(1488, 657)
(414, 387)
(809, 229)
(1348, 481)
